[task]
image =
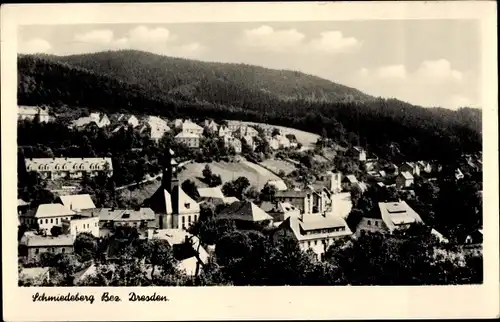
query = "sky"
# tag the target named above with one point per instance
(424, 62)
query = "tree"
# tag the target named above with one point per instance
(85, 246)
(207, 173)
(56, 231)
(236, 188)
(190, 189)
(215, 181)
(267, 193)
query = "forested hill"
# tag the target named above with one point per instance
(203, 81)
(139, 82)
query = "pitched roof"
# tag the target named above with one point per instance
(397, 213)
(68, 164)
(230, 200)
(245, 211)
(53, 210)
(214, 192)
(124, 214)
(291, 194)
(187, 135)
(48, 241)
(406, 175)
(21, 202)
(188, 125)
(297, 225)
(163, 202)
(77, 202)
(32, 110)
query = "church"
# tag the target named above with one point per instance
(173, 208)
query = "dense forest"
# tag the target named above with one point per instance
(144, 83)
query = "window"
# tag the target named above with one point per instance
(315, 242)
(40, 221)
(96, 224)
(183, 220)
(309, 243)
(63, 250)
(376, 223)
(369, 222)
(51, 220)
(46, 221)
(189, 219)
(37, 251)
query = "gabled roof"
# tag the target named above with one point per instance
(187, 135)
(163, 202)
(52, 210)
(21, 202)
(214, 192)
(188, 125)
(77, 202)
(244, 211)
(111, 214)
(296, 225)
(49, 241)
(230, 200)
(291, 194)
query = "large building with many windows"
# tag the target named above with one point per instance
(69, 168)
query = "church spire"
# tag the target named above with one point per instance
(169, 179)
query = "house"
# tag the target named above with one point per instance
(245, 214)
(212, 195)
(234, 125)
(224, 130)
(280, 185)
(133, 121)
(250, 131)
(211, 125)
(348, 181)
(178, 123)
(404, 180)
(193, 128)
(249, 140)
(458, 174)
(47, 216)
(320, 199)
(190, 139)
(80, 224)
(398, 215)
(32, 246)
(30, 112)
(22, 206)
(279, 210)
(315, 232)
(76, 202)
(143, 218)
(371, 225)
(392, 169)
(382, 173)
(303, 200)
(294, 143)
(274, 144)
(187, 249)
(173, 208)
(157, 127)
(410, 167)
(357, 152)
(283, 142)
(424, 166)
(333, 181)
(230, 141)
(69, 168)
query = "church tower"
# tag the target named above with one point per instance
(169, 178)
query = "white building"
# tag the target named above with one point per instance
(230, 141)
(77, 202)
(71, 168)
(193, 128)
(80, 224)
(157, 126)
(333, 181)
(190, 139)
(397, 215)
(224, 130)
(47, 216)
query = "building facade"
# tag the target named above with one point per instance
(69, 168)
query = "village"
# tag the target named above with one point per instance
(315, 212)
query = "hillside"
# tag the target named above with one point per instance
(144, 83)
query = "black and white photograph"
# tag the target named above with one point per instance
(249, 153)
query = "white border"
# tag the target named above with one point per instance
(255, 302)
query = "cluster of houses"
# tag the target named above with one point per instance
(30, 112)
(69, 168)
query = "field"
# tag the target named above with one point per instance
(257, 175)
(307, 139)
(277, 165)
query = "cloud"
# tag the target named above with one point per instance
(34, 46)
(334, 42)
(432, 83)
(156, 40)
(101, 36)
(266, 37)
(287, 40)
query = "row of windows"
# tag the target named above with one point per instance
(51, 250)
(195, 217)
(369, 223)
(325, 231)
(315, 242)
(40, 221)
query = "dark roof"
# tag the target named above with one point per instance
(290, 194)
